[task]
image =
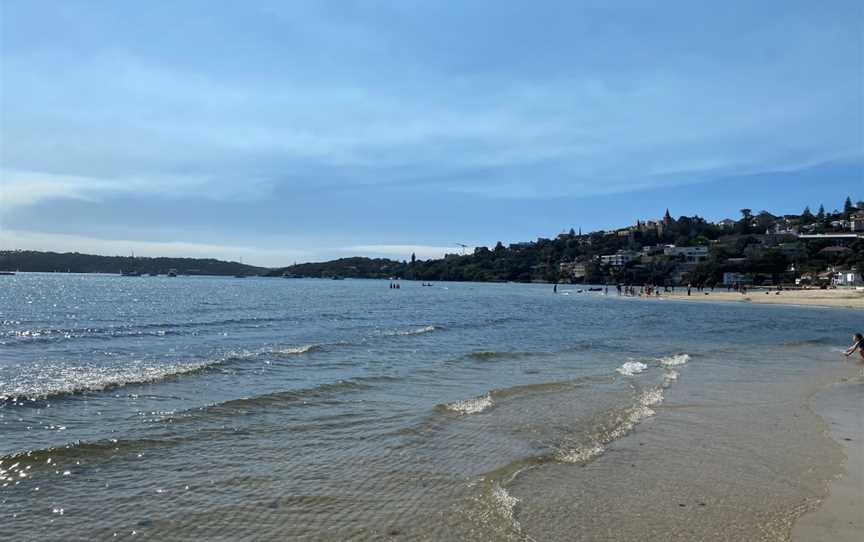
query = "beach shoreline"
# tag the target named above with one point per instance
(838, 516)
(845, 299)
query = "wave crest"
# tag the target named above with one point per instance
(76, 380)
(415, 331)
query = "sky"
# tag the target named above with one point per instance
(286, 131)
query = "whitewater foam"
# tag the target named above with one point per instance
(579, 455)
(471, 406)
(622, 424)
(505, 504)
(677, 359)
(632, 368)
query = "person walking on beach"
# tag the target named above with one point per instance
(857, 345)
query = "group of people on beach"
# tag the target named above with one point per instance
(646, 290)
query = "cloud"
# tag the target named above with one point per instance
(296, 107)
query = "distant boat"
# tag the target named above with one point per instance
(239, 276)
(338, 278)
(7, 272)
(172, 272)
(290, 276)
(154, 274)
(130, 272)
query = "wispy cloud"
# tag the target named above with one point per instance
(15, 239)
(292, 106)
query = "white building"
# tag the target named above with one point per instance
(648, 250)
(573, 269)
(619, 259)
(847, 277)
(690, 254)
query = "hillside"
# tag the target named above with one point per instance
(73, 262)
(755, 249)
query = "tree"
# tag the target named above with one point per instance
(848, 208)
(413, 258)
(764, 219)
(744, 224)
(807, 216)
(820, 214)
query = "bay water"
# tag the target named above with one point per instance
(214, 408)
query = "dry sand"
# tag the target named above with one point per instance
(845, 298)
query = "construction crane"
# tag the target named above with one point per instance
(462, 248)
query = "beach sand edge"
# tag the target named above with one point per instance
(838, 516)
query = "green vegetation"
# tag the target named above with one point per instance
(73, 262)
(760, 248)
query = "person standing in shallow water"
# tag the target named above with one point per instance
(857, 345)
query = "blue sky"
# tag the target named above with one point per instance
(293, 131)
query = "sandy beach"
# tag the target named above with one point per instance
(849, 299)
(838, 518)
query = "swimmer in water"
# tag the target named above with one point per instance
(857, 345)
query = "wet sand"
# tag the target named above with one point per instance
(838, 518)
(848, 299)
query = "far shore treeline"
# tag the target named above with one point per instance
(73, 262)
(762, 248)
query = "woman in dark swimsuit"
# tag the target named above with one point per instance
(857, 345)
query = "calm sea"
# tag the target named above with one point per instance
(196, 408)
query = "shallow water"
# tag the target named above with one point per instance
(226, 409)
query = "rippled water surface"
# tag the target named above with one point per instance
(225, 409)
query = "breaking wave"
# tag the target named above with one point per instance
(632, 368)
(77, 380)
(74, 380)
(622, 423)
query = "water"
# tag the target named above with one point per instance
(224, 409)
